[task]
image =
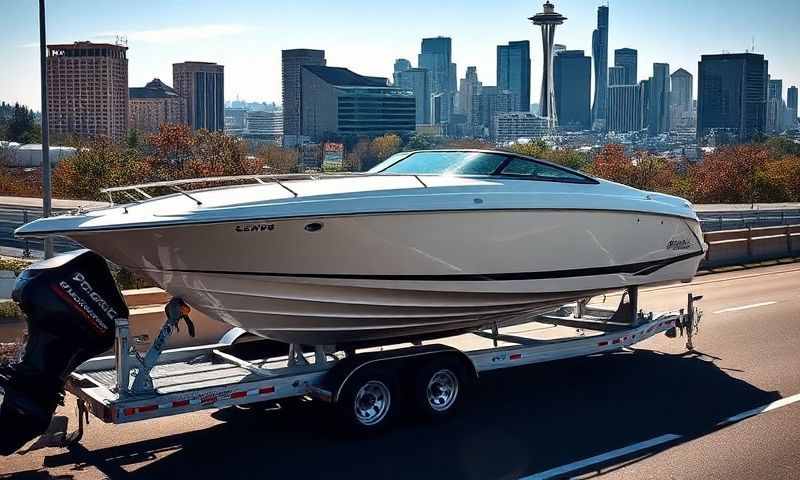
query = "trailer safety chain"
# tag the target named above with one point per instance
(83, 419)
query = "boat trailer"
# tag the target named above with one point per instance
(129, 387)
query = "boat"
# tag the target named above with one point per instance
(426, 243)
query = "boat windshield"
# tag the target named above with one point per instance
(476, 163)
(441, 163)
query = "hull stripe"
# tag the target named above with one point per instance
(641, 268)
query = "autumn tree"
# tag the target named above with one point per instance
(729, 175)
(99, 164)
(421, 142)
(358, 157)
(611, 163)
(278, 160)
(383, 147)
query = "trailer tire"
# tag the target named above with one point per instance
(439, 388)
(368, 400)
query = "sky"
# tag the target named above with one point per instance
(247, 36)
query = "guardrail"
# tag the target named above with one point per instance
(13, 217)
(748, 245)
(714, 221)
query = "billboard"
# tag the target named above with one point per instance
(332, 156)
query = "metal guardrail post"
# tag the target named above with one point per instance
(26, 252)
(750, 242)
(788, 233)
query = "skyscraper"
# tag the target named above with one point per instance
(731, 95)
(418, 80)
(436, 56)
(88, 89)
(291, 61)
(791, 103)
(616, 76)
(774, 105)
(400, 65)
(572, 80)
(681, 98)
(644, 103)
(659, 100)
(514, 71)
(548, 20)
(600, 55)
(470, 86)
(202, 84)
(624, 108)
(627, 58)
(490, 102)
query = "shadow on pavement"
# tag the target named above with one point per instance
(516, 422)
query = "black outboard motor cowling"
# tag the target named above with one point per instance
(71, 302)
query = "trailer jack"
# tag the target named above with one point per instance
(688, 322)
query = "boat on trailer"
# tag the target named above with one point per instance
(426, 244)
(75, 312)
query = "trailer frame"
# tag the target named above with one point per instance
(190, 379)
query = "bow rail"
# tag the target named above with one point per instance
(130, 191)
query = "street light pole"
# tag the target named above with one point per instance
(46, 191)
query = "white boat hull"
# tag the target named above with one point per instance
(346, 278)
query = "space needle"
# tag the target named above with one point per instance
(548, 19)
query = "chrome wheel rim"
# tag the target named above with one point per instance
(372, 402)
(442, 390)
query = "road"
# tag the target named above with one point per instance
(518, 423)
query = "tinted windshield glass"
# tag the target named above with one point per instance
(518, 166)
(444, 163)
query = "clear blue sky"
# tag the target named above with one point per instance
(248, 35)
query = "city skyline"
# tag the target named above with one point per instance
(250, 49)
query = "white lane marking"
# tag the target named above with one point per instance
(744, 307)
(603, 457)
(653, 442)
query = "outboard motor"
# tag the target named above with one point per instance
(71, 302)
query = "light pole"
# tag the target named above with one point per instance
(46, 191)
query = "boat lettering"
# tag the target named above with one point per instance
(682, 244)
(90, 314)
(100, 301)
(255, 227)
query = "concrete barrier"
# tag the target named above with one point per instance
(749, 245)
(7, 279)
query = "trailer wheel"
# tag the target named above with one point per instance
(367, 401)
(439, 388)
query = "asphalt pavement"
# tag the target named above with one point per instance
(518, 423)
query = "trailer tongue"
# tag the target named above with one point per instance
(71, 303)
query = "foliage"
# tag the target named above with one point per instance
(765, 171)
(17, 124)
(127, 280)
(10, 311)
(278, 160)
(420, 142)
(97, 165)
(175, 152)
(539, 149)
(729, 175)
(14, 264)
(17, 182)
(383, 147)
(357, 156)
